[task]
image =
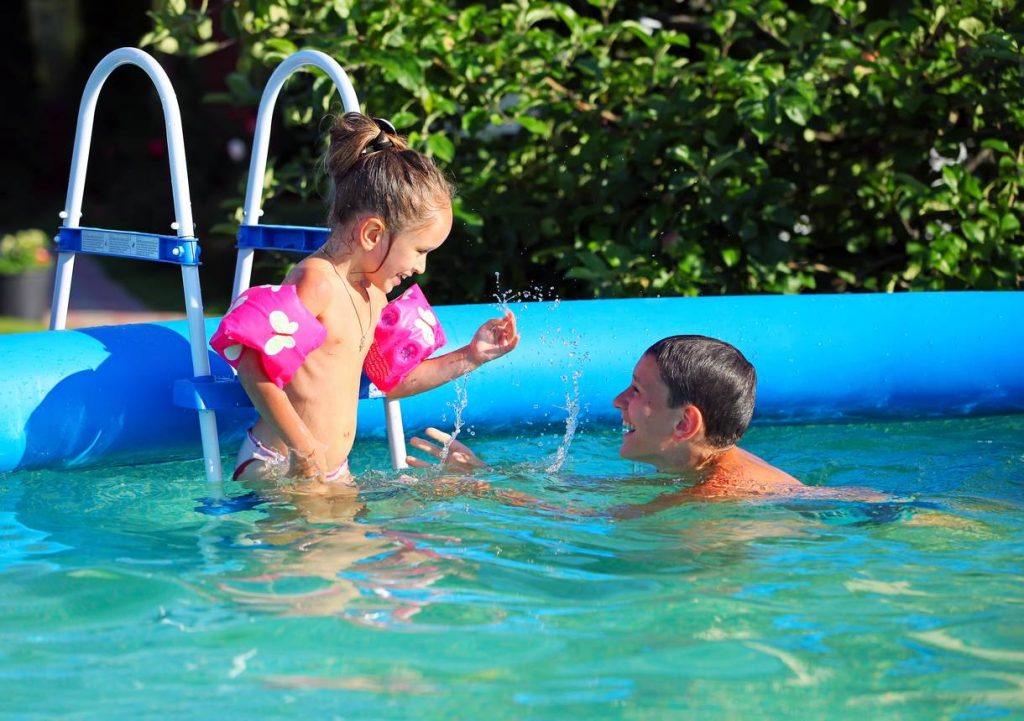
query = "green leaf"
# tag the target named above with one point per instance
(796, 110)
(403, 119)
(731, 256)
(404, 71)
(282, 46)
(971, 26)
(996, 144)
(973, 232)
(441, 147)
(536, 126)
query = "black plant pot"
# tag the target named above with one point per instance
(26, 295)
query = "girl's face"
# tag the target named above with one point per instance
(404, 255)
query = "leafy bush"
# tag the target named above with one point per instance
(612, 148)
(24, 252)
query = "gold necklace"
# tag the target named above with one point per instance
(352, 300)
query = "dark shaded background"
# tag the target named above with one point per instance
(48, 48)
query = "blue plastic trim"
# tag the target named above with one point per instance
(129, 244)
(289, 238)
(217, 393)
(104, 395)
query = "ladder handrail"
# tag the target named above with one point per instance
(183, 223)
(172, 123)
(251, 211)
(265, 116)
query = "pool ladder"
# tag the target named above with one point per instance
(203, 392)
(181, 249)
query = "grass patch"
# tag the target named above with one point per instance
(20, 325)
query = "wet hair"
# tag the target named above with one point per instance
(373, 170)
(712, 375)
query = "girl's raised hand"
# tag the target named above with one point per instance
(494, 339)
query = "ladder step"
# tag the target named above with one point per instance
(129, 244)
(289, 238)
(210, 393)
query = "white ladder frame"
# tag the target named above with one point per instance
(183, 224)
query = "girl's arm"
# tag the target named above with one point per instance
(276, 409)
(493, 339)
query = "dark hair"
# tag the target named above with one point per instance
(374, 170)
(712, 375)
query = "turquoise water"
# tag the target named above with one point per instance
(432, 598)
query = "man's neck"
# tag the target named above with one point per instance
(696, 463)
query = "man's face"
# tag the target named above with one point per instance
(648, 422)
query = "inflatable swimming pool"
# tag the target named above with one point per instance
(104, 395)
(108, 394)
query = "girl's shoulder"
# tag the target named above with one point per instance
(313, 284)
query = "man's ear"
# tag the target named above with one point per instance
(370, 232)
(691, 422)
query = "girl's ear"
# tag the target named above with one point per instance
(370, 233)
(691, 422)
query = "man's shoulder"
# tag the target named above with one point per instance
(744, 472)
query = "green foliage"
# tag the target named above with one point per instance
(19, 325)
(25, 251)
(676, 148)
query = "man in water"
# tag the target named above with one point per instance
(688, 403)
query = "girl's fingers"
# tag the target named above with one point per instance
(415, 462)
(425, 446)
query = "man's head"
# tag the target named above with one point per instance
(686, 389)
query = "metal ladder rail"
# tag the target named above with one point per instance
(182, 249)
(252, 236)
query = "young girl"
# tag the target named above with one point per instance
(391, 207)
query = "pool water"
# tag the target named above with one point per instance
(434, 598)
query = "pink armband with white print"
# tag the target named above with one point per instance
(272, 321)
(408, 332)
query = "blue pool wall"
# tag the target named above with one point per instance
(103, 395)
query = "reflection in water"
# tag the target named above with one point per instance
(311, 555)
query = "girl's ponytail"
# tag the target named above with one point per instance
(374, 171)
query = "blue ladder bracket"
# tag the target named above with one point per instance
(129, 244)
(218, 393)
(210, 393)
(290, 238)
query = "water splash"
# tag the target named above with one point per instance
(572, 373)
(504, 300)
(577, 359)
(458, 406)
(572, 407)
